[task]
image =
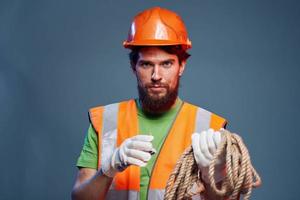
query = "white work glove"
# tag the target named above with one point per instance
(204, 146)
(136, 150)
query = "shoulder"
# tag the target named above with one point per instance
(215, 121)
(98, 109)
(98, 113)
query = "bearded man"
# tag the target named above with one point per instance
(132, 146)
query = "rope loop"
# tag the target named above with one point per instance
(185, 180)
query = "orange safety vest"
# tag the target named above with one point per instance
(123, 117)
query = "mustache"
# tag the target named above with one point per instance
(149, 85)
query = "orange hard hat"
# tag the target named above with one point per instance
(157, 27)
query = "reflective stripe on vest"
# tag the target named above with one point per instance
(116, 122)
(122, 194)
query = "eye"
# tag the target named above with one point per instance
(145, 64)
(167, 64)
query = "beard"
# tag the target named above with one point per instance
(155, 104)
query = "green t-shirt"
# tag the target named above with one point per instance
(156, 125)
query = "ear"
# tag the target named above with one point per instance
(182, 67)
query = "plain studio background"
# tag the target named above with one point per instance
(59, 58)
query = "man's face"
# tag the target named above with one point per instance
(158, 74)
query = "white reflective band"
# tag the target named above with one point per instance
(123, 194)
(110, 117)
(202, 120)
(109, 132)
(156, 194)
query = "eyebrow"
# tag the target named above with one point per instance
(150, 62)
(144, 62)
(168, 60)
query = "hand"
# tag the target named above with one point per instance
(136, 150)
(205, 144)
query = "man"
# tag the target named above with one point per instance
(132, 146)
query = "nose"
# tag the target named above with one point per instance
(156, 76)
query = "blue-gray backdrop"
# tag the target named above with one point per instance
(60, 57)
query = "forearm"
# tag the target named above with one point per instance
(94, 188)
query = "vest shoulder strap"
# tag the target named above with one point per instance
(104, 118)
(206, 119)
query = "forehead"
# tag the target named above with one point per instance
(155, 53)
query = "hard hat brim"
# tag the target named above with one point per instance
(132, 44)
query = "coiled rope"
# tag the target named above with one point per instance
(240, 178)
